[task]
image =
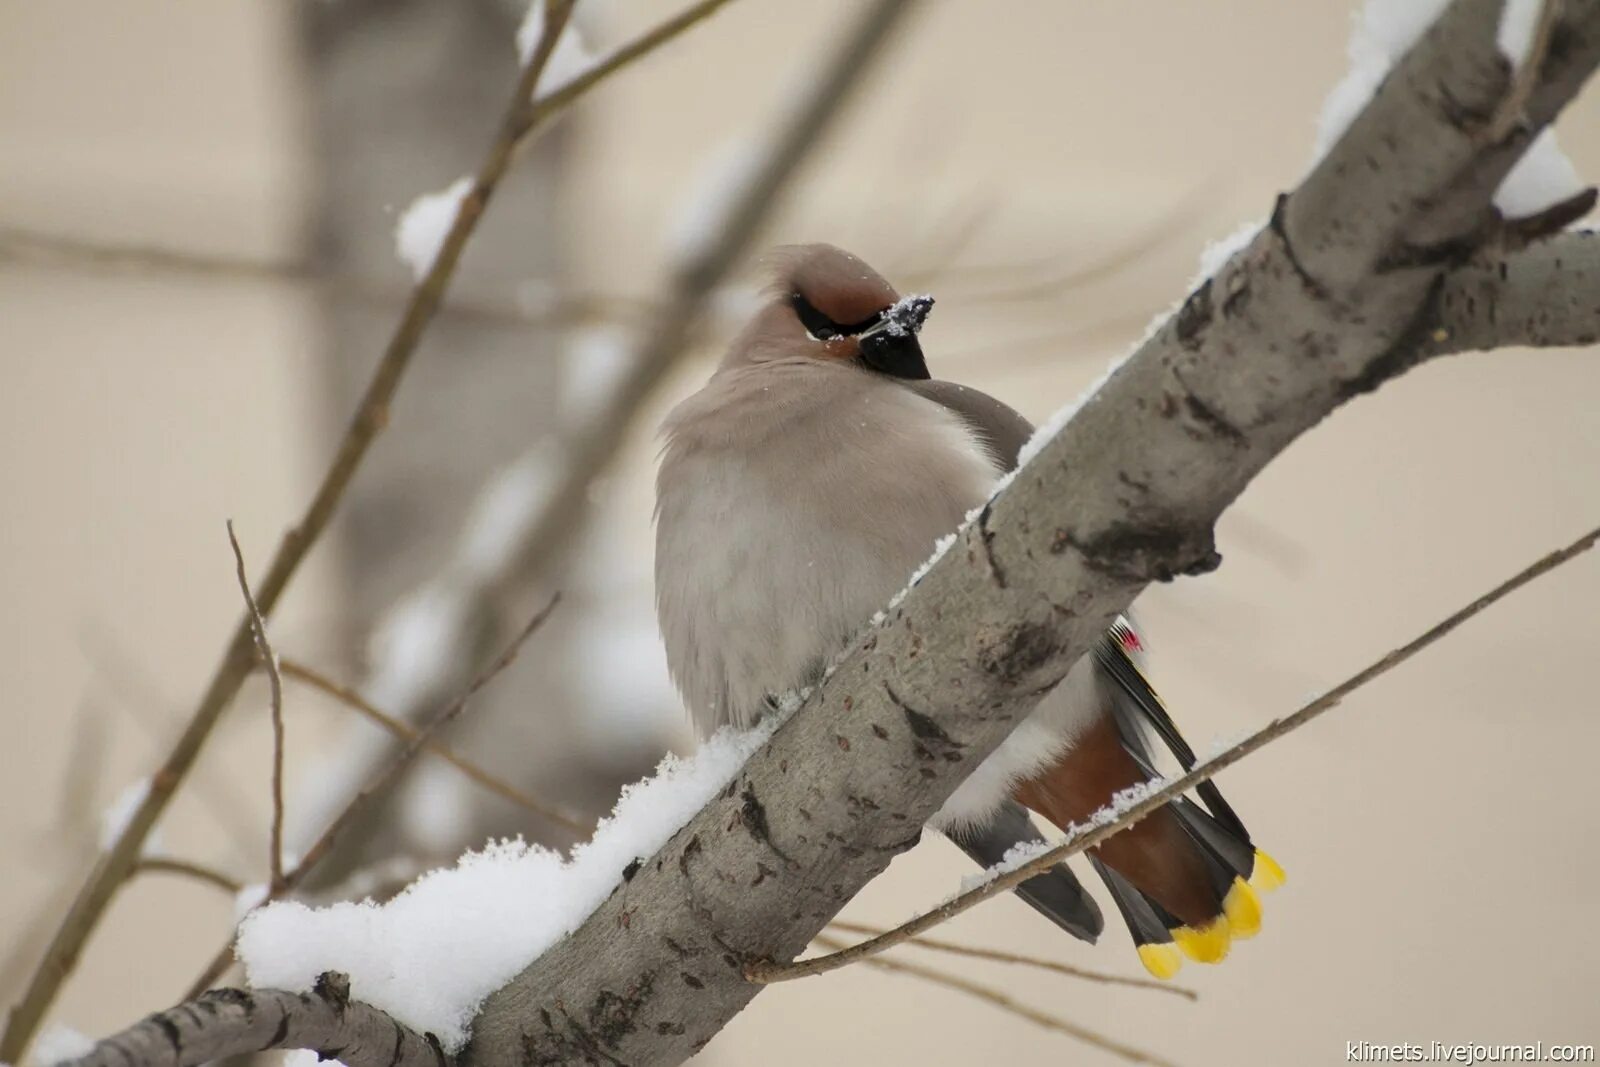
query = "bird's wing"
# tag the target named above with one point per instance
(1056, 894)
(1002, 431)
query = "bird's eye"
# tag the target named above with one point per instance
(816, 323)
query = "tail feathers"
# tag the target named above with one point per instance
(1057, 894)
(1235, 868)
(1151, 936)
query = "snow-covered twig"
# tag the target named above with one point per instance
(516, 128)
(993, 955)
(269, 662)
(1009, 1004)
(379, 784)
(1126, 815)
(406, 732)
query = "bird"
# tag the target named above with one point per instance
(797, 492)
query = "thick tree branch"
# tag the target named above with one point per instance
(232, 1022)
(1328, 302)
(1544, 296)
(1113, 821)
(1367, 269)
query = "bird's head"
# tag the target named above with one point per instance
(827, 304)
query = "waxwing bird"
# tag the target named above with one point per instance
(798, 491)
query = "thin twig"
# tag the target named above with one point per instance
(300, 672)
(269, 660)
(1512, 111)
(379, 784)
(999, 956)
(22, 245)
(1005, 1002)
(1106, 822)
(197, 871)
(558, 99)
(371, 416)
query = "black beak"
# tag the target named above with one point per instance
(890, 345)
(898, 357)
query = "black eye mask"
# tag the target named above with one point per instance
(823, 328)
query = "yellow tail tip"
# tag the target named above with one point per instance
(1162, 961)
(1267, 875)
(1208, 944)
(1243, 909)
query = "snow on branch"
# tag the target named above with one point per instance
(1364, 271)
(1342, 290)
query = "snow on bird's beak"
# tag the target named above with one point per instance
(889, 346)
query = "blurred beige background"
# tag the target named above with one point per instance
(1439, 831)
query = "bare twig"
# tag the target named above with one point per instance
(998, 956)
(406, 732)
(269, 660)
(1006, 1003)
(1106, 823)
(379, 784)
(1512, 111)
(197, 871)
(19, 244)
(518, 124)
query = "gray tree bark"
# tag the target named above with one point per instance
(1344, 289)
(1389, 254)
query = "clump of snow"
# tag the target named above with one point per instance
(1518, 20)
(432, 954)
(1384, 31)
(906, 315)
(1017, 855)
(1218, 252)
(307, 1057)
(570, 58)
(119, 813)
(1024, 853)
(1542, 177)
(423, 226)
(58, 1044)
(940, 547)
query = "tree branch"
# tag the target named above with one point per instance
(977, 952)
(1109, 821)
(233, 1022)
(520, 121)
(1325, 304)
(1009, 1004)
(269, 661)
(406, 732)
(378, 785)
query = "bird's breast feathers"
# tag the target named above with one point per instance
(787, 513)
